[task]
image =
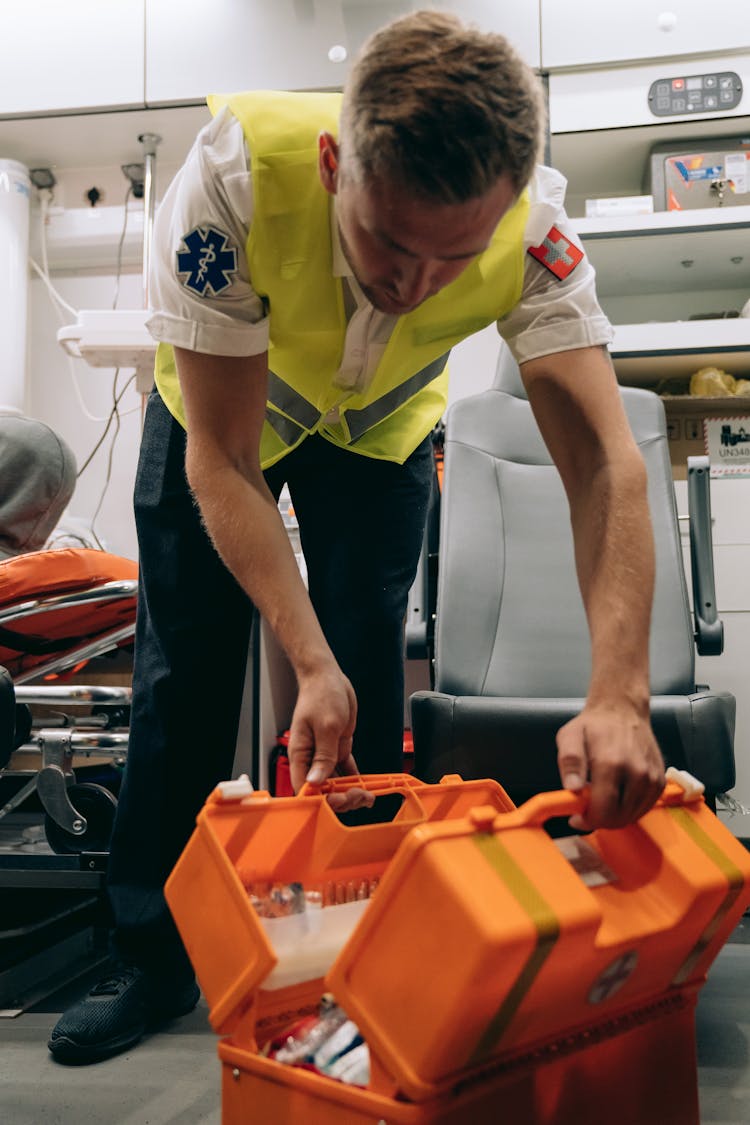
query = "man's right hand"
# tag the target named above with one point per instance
(225, 408)
(320, 736)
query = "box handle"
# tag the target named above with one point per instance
(562, 802)
(410, 812)
(338, 844)
(377, 783)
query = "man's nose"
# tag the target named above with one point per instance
(417, 283)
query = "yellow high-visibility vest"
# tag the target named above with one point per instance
(289, 253)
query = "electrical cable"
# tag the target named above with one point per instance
(116, 397)
(109, 419)
(52, 291)
(120, 244)
(115, 413)
(58, 302)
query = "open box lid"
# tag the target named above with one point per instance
(485, 943)
(243, 837)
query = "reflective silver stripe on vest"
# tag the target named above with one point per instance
(285, 398)
(300, 416)
(288, 431)
(360, 421)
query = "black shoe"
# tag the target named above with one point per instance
(116, 1014)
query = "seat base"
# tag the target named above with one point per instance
(513, 740)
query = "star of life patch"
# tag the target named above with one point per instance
(557, 253)
(207, 261)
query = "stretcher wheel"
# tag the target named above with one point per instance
(98, 806)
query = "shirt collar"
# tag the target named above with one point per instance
(341, 267)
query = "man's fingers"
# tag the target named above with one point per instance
(347, 767)
(321, 767)
(618, 756)
(320, 751)
(299, 765)
(316, 766)
(354, 798)
(572, 761)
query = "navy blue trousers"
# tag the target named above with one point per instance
(361, 524)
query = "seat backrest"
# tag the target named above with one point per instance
(510, 618)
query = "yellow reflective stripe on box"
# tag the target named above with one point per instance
(731, 872)
(547, 927)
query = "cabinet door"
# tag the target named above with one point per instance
(288, 44)
(518, 22)
(76, 54)
(193, 49)
(591, 32)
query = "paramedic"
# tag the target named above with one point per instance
(316, 261)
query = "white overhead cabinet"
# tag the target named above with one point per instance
(579, 33)
(67, 55)
(518, 22)
(609, 66)
(193, 48)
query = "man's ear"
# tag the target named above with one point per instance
(328, 162)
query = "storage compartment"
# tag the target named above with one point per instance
(589, 33)
(707, 173)
(495, 973)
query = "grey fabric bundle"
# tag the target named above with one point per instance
(37, 479)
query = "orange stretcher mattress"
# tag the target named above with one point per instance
(31, 639)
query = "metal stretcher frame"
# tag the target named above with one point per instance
(46, 635)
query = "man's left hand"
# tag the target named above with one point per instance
(611, 748)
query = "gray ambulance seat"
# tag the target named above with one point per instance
(512, 653)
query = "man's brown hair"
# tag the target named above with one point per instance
(441, 108)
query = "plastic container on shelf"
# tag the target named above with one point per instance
(495, 974)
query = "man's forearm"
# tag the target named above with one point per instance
(578, 406)
(246, 528)
(225, 406)
(225, 402)
(609, 745)
(615, 562)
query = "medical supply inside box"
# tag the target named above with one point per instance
(709, 172)
(493, 972)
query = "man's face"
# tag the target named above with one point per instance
(403, 250)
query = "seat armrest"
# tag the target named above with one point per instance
(709, 630)
(419, 631)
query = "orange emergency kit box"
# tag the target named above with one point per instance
(497, 975)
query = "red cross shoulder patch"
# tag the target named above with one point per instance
(557, 253)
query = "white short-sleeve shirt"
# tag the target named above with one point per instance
(202, 297)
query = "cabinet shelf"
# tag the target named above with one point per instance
(699, 407)
(645, 354)
(701, 259)
(706, 219)
(670, 252)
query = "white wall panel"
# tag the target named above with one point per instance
(62, 55)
